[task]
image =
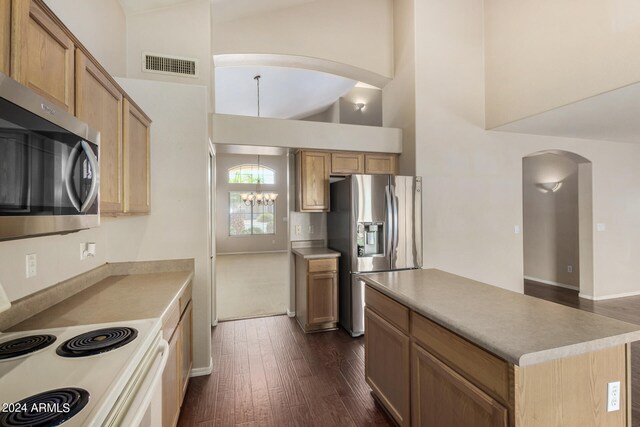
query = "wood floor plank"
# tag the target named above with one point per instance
(268, 372)
(243, 399)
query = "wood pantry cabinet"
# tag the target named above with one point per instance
(42, 53)
(317, 293)
(177, 330)
(99, 103)
(313, 169)
(137, 178)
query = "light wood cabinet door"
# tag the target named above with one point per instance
(442, 397)
(347, 163)
(5, 36)
(171, 385)
(137, 180)
(381, 164)
(42, 54)
(99, 103)
(314, 168)
(322, 298)
(387, 366)
(186, 358)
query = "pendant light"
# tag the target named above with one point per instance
(258, 197)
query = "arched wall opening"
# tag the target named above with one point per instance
(558, 220)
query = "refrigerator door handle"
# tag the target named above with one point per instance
(389, 203)
(394, 204)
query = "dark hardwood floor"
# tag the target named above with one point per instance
(626, 309)
(266, 371)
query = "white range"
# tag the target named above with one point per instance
(91, 375)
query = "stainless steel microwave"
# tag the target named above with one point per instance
(49, 166)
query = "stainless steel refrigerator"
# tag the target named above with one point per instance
(375, 222)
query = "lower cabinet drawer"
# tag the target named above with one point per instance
(325, 264)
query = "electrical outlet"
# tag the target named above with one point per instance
(613, 399)
(516, 229)
(569, 269)
(32, 266)
(298, 229)
(312, 229)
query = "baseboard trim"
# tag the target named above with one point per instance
(200, 372)
(613, 296)
(291, 313)
(552, 283)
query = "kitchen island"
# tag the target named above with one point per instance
(441, 349)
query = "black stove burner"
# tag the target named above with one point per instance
(47, 409)
(24, 345)
(96, 342)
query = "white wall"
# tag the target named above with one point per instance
(252, 285)
(551, 220)
(245, 130)
(370, 115)
(548, 53)
(101, 26)
(473, 178)
(399, 96)
(177, 225)
(180, 30)
(354, 32)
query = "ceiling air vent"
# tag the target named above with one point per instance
(172, 65)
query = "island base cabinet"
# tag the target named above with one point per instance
(573, 391)
(387, 365)
(442, 397)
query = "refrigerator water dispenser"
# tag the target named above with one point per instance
(370, 239)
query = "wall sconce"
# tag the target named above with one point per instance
(549, 187)
(360, 106)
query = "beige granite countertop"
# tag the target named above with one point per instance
(113, 299)
(311, 253)
(521, 329)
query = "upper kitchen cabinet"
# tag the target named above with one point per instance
(99, 103)
(386, 164)
(347, 163)
(5, 36)
(42, 53)
(137, 180)
(313, 169)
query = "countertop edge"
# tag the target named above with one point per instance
(177, 296)
(522, 360)
(325, 253)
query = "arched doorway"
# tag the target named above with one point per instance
(558, 220)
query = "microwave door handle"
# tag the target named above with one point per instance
(71, 192)
(388, 201)
(95, 177)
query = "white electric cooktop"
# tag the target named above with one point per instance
(85, 387)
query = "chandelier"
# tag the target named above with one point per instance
(258, 197)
